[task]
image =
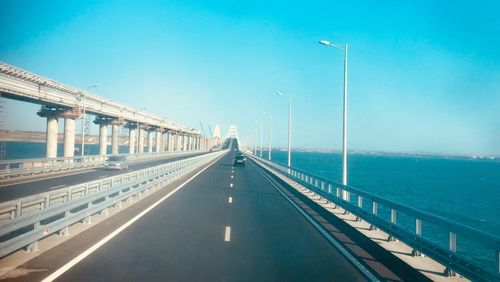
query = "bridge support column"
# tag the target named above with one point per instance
(52, 115)
(103, 122)
(150, 141)
(69, 131)
(166, 141)
(172, 139)
(141, 138)
(179, 142)
(159, 140)
(115, 135)
(132, 126)
(69, 137)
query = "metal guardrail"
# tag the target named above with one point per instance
(25, 221)
(466, 250)
(25, 167)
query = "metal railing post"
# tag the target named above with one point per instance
(453, 248)
(374, 212)
(418, 231)
(393, 221)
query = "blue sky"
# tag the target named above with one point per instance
(423, 76)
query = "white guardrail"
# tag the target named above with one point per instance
(466, 250)
(27, 167)
(25, 221)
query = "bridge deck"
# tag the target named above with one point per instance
(207, 230)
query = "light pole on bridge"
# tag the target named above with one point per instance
(343, 48)
(84, 117)
(289, 127)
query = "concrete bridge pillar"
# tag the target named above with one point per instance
(132, 127)
(166, 141)
(150, 141)
(52, 114)
(141, 138)
(172, 141)
(115, 135)
(69, 131)
(103, 122)
(159, 140)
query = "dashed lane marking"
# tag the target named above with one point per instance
(227, 234)
(230, 200)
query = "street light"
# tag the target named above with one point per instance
(83, 118)
(343, 48)
(269, 147)
(289, 127)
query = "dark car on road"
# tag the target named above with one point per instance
(239, 160)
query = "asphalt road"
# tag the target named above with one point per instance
(209, 230)
(27, 187)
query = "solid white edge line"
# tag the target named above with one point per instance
(103, 241)
(57, 186)
(325, 234)
(227, 234)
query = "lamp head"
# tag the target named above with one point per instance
(325, 42)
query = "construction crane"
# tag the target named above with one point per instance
(211, 134)
(202, 128)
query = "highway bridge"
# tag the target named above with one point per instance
(184, 212)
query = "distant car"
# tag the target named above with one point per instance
(117, 162)
(239, 160)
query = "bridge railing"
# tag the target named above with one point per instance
(24, 167)
(25, 221)
(466, 250)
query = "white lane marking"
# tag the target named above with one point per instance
(58, 186)
(103, 176)
(231, 176)
(230, 200)
(227, 234)
(231, 185)
(99, 244)
(44, 178)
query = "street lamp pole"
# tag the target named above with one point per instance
(344, 129)
(269, 147)
(260, 137)
(83, 119)
(289, 127)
